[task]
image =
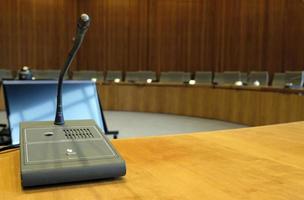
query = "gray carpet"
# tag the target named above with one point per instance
(134, 124)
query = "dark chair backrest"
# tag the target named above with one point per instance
(174, 77)
(6, 74)
(295, 78)
(48, 74)
(112, 75)
(244, 78)
(87, 75)
(230, 77)
(140, 76)
(203, 77)
(261, 76)
(218, 78)
(279, 80)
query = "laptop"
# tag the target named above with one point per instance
(36, 101)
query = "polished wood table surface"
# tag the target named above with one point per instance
(252, 106)
(250, 163)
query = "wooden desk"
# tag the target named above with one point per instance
(252, 106)
(252, 163)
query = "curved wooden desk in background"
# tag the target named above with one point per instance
(246, 105)
(260, 163)
(252, 106)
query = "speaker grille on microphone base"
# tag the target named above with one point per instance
(78, 133)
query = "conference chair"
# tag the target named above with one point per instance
(231, 77)
(113, 76)
(87, 75)
(140, 76)
(203, 77)
(145, 75)
(218, 78)
(262, 77)
(295, 78)
(244, 78)
(48, 74)
(6, 74)
(175, 77)
(279, 80)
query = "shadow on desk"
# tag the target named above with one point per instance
(74, 185)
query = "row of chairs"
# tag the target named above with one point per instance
(37, 74)
(290, 78)
(258, 78)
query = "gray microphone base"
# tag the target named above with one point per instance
(76, 151)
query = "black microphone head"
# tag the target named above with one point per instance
(25, 73)
(83, 22)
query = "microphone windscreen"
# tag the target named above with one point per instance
(84, 17)
(83, 22)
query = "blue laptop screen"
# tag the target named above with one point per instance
(36, 101)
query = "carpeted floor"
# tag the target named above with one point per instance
(134, 124)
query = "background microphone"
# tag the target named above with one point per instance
(82, 27)
(83, 24)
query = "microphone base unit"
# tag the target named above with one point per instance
(75, 151)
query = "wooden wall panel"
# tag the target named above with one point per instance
(36, 33)
(273, 41)
(294, 35)
(138, 35)
(92, 54)
(117, 38)
(164, 35)
(159, 35)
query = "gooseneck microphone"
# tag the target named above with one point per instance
(82, 27)
(68, 148)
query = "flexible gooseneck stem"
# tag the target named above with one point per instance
(82, 27)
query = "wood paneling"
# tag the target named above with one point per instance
(36, 33)
(250, 106)
(220, 35)
(273, 42)
(117, 38)
(294, 35)
(157, 35)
